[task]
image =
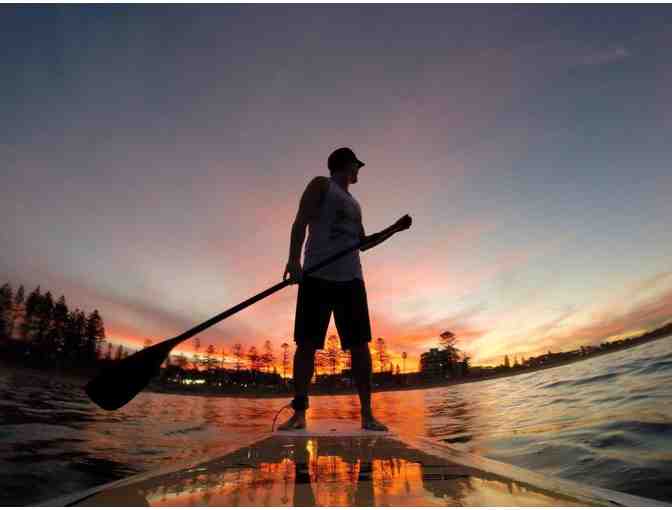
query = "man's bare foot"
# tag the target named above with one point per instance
(370, 423)
(296, 422)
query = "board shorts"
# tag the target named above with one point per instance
(318, 298)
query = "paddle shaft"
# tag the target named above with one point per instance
(382, 235)
(116, 385)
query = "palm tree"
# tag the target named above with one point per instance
(285, 359)
(253, 356)
(223, 357)
(238, 350)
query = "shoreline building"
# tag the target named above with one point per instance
(435, 363)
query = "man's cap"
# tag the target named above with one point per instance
(341, 157)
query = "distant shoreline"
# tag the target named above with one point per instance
(353, 391)
(86, 374)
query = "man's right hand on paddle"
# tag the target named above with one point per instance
(294, 270)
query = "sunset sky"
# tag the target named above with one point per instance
(152, 159)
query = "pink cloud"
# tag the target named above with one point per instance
(647, 315)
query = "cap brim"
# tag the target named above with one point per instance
(360, 163)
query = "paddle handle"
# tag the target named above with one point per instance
(402, 224)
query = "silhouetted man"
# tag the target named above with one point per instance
(334, 221)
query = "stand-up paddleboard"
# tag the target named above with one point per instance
(336, 463)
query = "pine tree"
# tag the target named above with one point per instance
(94, 335)
(32, 303)
(18, 309)
(58, 329)
(87, 348)
(77, 348)
(46, 314)
(70, 339)
(43, 337)
(6, 299)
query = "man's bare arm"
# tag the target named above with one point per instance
(309, 209)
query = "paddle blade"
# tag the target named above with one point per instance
(116, 385)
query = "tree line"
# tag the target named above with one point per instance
(331, 360)
(43, 331)
(47, 331)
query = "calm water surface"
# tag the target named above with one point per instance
(605, 421)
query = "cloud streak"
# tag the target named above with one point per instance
(561, 333)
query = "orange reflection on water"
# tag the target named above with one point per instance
(333, 471)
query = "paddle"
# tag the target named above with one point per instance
(116, 385)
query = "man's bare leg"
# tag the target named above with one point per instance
(304, 365)
(361, 369)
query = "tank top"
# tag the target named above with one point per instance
(338, 226)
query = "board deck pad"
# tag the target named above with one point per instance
(318, 469)
(331, 428)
